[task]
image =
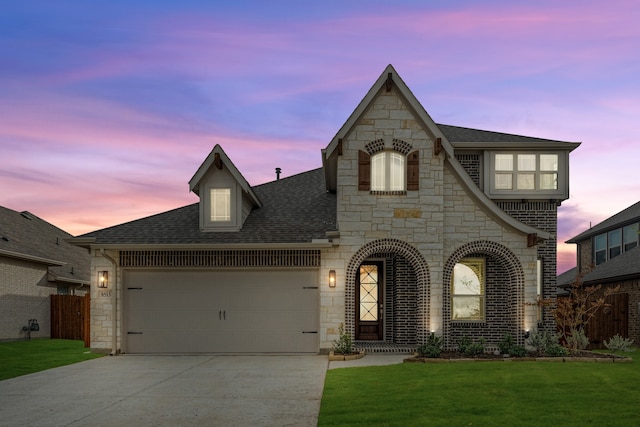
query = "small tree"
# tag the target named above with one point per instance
(573, 314)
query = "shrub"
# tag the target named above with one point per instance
(578, 340)
(618, 343)
(469, 348)
(505, 345)
(518, 351)
(343, 344)
(541, 341)
(556, 350)
(432, 348)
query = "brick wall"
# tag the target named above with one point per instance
(23, 296)
(542, 215)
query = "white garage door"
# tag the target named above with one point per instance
(221, 311)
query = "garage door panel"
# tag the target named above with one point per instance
(229, 311)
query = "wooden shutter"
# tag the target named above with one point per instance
(364, 171)
(413, 171)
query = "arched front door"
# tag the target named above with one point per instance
(369, 301)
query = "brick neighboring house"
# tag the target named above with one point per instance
(409, 227)
(608, 254)
(35, 261)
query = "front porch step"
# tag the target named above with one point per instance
(383, 347)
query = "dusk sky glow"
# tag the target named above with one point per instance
(108, 108)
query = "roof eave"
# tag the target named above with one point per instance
(32, 258)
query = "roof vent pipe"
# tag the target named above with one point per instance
(278, 171)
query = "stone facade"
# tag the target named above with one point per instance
(420, 235)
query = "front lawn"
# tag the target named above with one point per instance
(25, 357)
(484, 394)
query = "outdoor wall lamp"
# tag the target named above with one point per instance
(332, 278)
(103, 279)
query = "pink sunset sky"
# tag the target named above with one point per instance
(108, 108)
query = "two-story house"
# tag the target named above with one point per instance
(410, 227)
(36, 261)
(608, 255)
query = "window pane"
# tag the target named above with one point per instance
(600, 248)
(467, 308)
(615, 243)
(504, 181)
(526, 162)
(526, 181)
(630, 234)
(378, 172)
(396, 172)
(548, 181)
(548, 162)
(467, 290)
(220, 204)
(504, 162)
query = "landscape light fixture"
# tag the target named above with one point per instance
(332, 278)
(103, 279)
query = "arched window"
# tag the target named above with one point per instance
(468, 290)
(388, 171)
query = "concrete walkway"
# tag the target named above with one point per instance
(175, 391)
(169, 391)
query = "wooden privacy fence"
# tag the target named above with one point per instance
(70, 317)
(609, 320)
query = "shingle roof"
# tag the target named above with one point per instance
(24, 235)
(461, 134)
(296, 209)
(629, 215)
(623, 267)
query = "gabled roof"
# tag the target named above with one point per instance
(623, 267)
(273, 223)
(625, 217)
(390, 79)
(25, 236)
(218, 158)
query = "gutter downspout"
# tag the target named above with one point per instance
(113, 303)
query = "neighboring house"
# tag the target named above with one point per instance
(35, 261)
(608, 255)
(409, 227)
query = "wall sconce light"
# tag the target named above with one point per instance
(103, 279)
(332, 278)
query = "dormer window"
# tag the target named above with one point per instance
(526, 175)
(220, 204)
(388, 171)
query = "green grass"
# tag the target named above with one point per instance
(25, 357)
(483, 394)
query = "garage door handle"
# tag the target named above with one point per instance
(309, 332)
(222, 315)
(134, 333)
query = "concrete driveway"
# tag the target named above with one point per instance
(206, 390)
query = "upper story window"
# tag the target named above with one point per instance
(468, 290)
(615, 242)
(220, 204)
(388, 171)
(527, 174)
